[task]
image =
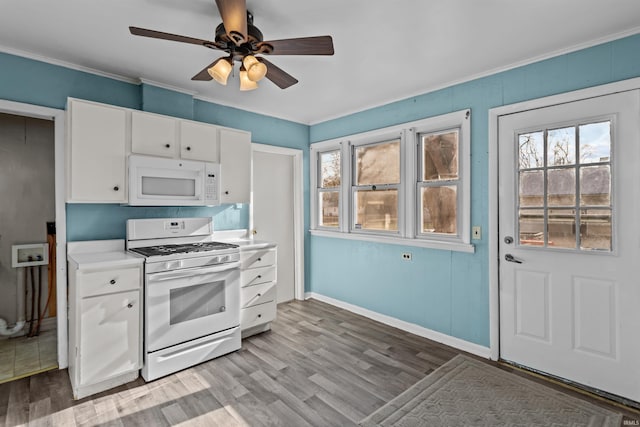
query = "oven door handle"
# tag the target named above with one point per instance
(191, 272)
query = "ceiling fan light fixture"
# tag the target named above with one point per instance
(221, 70)
(256, 70)
(245, 82)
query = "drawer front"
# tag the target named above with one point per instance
(256, 276)
(257, 294)
(258, 258)
(257, 315)
(108, 281)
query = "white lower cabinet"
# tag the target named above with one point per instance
(258, 299)
(105, 319)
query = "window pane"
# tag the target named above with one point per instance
(378, 163)
(595, 142)
(532, 188)
(561, 187)
(438, 211)
(561, 146)
(440, 156)
(595, 229)
(562, 228)
(329, 209)
(531, 150)
(330, 169)
(531, 226)
(376, 210)
(595, 185)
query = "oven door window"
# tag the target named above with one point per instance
(197, 301)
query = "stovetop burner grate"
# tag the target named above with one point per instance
(183, 248)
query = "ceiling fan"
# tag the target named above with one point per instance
(237, 36)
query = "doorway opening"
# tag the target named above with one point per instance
(28, 306)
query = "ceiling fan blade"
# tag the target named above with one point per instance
(234, 19)
(281, 78)
(319, 45)
(204, 74)
(136, 31)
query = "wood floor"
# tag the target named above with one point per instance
(319, 366)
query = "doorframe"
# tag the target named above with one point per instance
(58, 118)
(494, 116)
(298, 210)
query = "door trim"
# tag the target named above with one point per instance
(298, 211)
(494, 115)
(58, 117)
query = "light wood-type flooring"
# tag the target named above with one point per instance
(319, 366)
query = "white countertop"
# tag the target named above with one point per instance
(100, 254)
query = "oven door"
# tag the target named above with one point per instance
(183, 305)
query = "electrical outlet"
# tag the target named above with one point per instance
(476, 232)
(406, 256)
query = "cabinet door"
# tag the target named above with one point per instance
(235, 166)
(109, 343)
(199, 141)
(153, 134)
(97, 153)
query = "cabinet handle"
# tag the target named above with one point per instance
(259, 259)
(116, 188)
(112, 281)
(226, 192)
(259, 295)
(188, 148)
(259, 277)
(130, 305)
(259, 316)
(168, 145)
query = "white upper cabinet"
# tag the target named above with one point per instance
(96, 153)
(235, 166)
(153, 134)
(199, 141)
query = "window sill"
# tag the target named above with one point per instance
(431, 244)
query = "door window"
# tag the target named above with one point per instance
(564, 187)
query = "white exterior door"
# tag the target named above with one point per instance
(273, 213)
(569, 241)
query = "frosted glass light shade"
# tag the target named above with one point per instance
(245, 83)
(256, 70)
(221, 70)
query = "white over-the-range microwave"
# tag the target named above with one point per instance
(157, 181)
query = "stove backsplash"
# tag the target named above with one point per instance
(108, 221)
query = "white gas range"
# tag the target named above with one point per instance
(191, 293)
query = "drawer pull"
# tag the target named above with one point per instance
(116, 188)
(168, 145)
(259, 259)
(259, 316)
(130, 305)
(259, 276)
(112, 281)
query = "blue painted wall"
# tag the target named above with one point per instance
(441, 290)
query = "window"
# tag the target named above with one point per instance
(564, 187)
(406, 184)
(438, 183)
(329, 189)
(376, 183)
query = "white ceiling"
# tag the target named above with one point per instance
(384, 50)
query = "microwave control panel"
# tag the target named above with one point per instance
(212, 184)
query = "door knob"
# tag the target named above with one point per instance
(511, 258)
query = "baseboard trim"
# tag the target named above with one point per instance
(454, 342)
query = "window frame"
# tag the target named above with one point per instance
(408, 206)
